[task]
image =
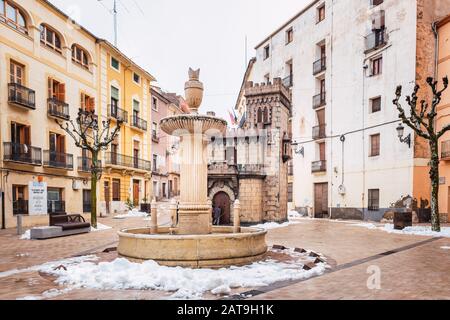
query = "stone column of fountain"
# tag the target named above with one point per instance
(194, 131)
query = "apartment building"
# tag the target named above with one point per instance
(165, 164)
(48, 70)
(125, 95)
(342, 61)
(50, 67)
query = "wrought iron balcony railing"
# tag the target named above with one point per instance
(319, 132)
(58, 160)
(138, 123)
(58, 109)
(375, 40)
(21, 96)
(319, 100)
(23, 153)
(445, 150)
(115, 159)
(288, 81)
(87, 118)
(319, 66)
(20, 207)
(319, 166)
(117, 113)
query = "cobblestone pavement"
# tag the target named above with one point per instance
(411, 267)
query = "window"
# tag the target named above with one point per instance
(321, 13)
(154, 104)
(57, 143)
(375, 145)
(114, 98)
(86, 201)
(12, 16)
(20, 202)
(376, 2)
(375, 105)
(289, 35)
(80, 56)
(87, 103)
(374, 200)
(377, 66)
(56, 90)
(155, 162)
(50, 38)
(154, 130)
(116, 190)
(16, 73)
(115, 64)
(266, 53)
(136, 109)
(136, 78)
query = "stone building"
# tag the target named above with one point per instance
(251, 163)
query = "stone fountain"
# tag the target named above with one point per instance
(192, 241)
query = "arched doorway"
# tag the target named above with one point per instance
(222, 200)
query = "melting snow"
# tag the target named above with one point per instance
(274, 225)
(416, 230)
(135, 213)
(100, 227)
(26, 235)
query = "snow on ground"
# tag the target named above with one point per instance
(122, 274)
(274, 225)
(294, 215)
(100, 227)
(135, 213)
(26, 235)
(415, 230)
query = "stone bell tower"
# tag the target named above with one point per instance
(268, 117)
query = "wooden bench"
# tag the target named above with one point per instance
(61, 225)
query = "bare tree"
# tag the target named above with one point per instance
(88, 135)
(423, 122)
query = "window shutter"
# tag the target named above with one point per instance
(62, 92)
(115, 93)
(91, 104)
(136, 105)
(50, 89)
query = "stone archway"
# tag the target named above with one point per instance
(228, 191)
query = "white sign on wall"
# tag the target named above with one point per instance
(37, 198)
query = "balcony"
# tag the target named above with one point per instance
(319, 132)
(319, 167)
(117, 113)
(138, 123)
(22, 153)
(85, 164)
(445, 150)
(20, 207)
(120, 160)
(56, 207)
(58, 160)
(21, 96)
(319, 66)
(58, 109)
(288, 81)
(319, 100)
(375, 40)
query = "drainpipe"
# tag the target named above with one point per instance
(434, 27)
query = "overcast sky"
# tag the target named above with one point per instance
(166, 37)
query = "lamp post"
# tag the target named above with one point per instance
(401, 133)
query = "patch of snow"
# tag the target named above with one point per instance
(122, 274)
(445, 248)
(26, 235)
(100, 227)
(275, 225)
(415, 230)
(135, 213)
(294, 215)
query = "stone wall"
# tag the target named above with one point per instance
(251, 199)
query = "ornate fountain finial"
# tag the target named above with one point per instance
(194, 90)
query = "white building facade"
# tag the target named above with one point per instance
(342, 60)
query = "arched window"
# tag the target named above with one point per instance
(80, 56)
(50, 38)
(12, 16)
(260, 116)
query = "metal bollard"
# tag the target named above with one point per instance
(19, 225)
(237, 217)
(154, 218)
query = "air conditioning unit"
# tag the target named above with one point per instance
(76, 185)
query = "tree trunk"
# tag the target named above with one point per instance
(94, 190)
(434, 176)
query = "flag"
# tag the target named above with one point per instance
(243, 120)
(232, 118)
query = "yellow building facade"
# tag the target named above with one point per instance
(50, 68)
(125, 95)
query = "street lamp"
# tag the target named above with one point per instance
(401, 132)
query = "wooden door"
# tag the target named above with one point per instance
(16, 73)
(107, 197)
(322, 152)
(222, 200)
(136, 197)
(321, 200)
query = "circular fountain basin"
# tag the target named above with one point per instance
(192, 123)
(220, 249)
